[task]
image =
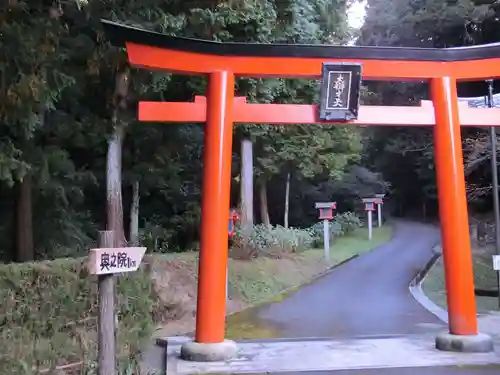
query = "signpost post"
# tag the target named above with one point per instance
(104, 262)
(326, 214)
(379, 207)
(369, 208)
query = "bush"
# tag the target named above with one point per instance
(348, 221)
(343, 223)
(318, 230)
(49, 309)
(272, 241)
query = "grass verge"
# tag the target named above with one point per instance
(484, 278)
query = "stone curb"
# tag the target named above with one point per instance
(416, 291)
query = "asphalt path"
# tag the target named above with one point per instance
(367, 296)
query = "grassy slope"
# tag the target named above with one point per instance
(484, 278)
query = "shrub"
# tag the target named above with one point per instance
(155, 237)
(272, 241)
(348, 221)
(318, 229)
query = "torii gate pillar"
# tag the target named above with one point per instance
(209, 343)
(463, 330)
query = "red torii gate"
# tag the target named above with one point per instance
(442, 68)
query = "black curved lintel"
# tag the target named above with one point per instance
(119, 34)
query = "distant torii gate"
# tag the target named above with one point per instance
(221, 62)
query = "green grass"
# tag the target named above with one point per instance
(270, 281)
(484, 278)
(354, 244)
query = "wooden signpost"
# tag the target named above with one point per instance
(105, 262)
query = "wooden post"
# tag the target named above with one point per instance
(106, 320)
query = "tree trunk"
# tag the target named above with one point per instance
(264, 212)
(246, 185)
(114, 185)
(287, 200)
(134, 215)
(25, 251)
(114, 209)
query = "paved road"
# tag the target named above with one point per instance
(367, 296)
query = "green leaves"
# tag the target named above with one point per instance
(11, 167)
(56, 100)
(423, 23)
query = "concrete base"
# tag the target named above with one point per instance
(198, 352)
(479, 343)
(327, 355)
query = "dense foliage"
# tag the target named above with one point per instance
(67, 110)
(405, 156)
(67, 107)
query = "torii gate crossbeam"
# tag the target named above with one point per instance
(249, 113)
